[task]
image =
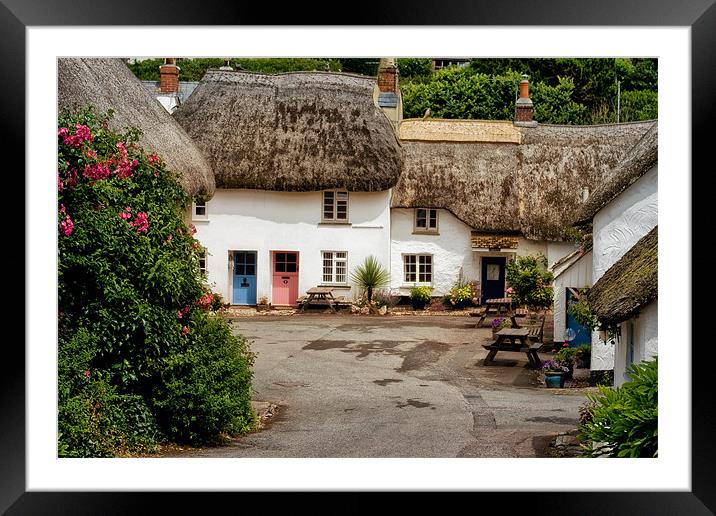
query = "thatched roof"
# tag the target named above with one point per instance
(638, 161)
(629, 285)
(299, 131)
(108, 83)
(533, 187)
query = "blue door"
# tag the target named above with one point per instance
(244, 278)
(581, 333)
(493, 278)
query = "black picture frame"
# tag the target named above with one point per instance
(699, 15)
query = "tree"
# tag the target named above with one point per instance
(530, 281)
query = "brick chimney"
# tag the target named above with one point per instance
(524, 111)
(169, 76)
(387, 92)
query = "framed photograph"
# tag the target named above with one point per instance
(34, 35)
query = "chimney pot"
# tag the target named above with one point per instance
(169, 76)
(524, 110)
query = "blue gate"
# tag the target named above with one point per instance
(582, 334)
(244, 278)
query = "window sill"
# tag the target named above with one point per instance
(417, 285)
(334, 223)
(425, 232)
(335, 285)
(200, 220)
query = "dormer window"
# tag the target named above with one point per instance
(335, 206)
(426, 221)
(199, 210)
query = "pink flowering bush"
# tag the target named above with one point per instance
(161, 366)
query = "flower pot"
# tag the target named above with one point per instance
(418, 304)
(554, 380)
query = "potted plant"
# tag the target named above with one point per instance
(554, 374)
(499, 323)
(567, 357)
(462, 294)
(419, 297)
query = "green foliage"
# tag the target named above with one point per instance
(194, 69)
(639, 105)
(362, 66)
(581, 311)
(566, 356)
(555, 104)
(370, 275)
(531, 281)
(130, 293)
(412, 68)
(623, 422)
(421, 293)
(206, 387)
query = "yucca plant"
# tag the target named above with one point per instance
(370, 275)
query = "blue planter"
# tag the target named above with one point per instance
(554, 380)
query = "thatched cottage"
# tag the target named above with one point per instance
(493, 190)
(624, 215)
(109, 84)
(304, 166)
(312, 178)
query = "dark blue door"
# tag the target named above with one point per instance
(581, 333)
(493, 278)
(244, 278)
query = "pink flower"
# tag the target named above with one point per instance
(509, 290)
(169, 238)
(87, 374)
(96, 171)
(193, 228)
(141, 223)
(83, 133)
(63, 132)
(126, 214)
(71, 181)
(205, 301)
(59, 182)
(153, 158)
(62, 208)
(185, 330)
(182, 312)
(66, 225)
(195, 245)
(91, 153)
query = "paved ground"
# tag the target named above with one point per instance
(371, 386)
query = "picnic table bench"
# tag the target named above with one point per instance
(321, 296)
(514, 339)
(496, 307)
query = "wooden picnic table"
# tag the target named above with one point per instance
(514, 339)
(496, 307)
(319, 295)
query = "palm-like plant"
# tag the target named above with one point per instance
(370, 275)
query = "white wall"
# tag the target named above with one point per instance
(616, 228)
(451, 250)
(645, 341)
(263, 221)
(577, 275)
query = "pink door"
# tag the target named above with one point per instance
(285, 278)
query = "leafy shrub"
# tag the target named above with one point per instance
(130, 293)
(217, 302)
(581, 311)
(531, 281)
(421, 293)
(639, 105)
(206, 388)
(624, 421)
(566, 356)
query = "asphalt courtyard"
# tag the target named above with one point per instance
(395, 386)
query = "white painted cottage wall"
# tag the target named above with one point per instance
(616, 228)
(577, 275)
(265, 221)
(451, 250)
(646, 326)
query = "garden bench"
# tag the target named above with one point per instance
(516, 340)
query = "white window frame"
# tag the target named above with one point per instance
(417, 272)
(203, 256)
(334, 218)
(427, 229)
(197, 204)
(335, 260)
